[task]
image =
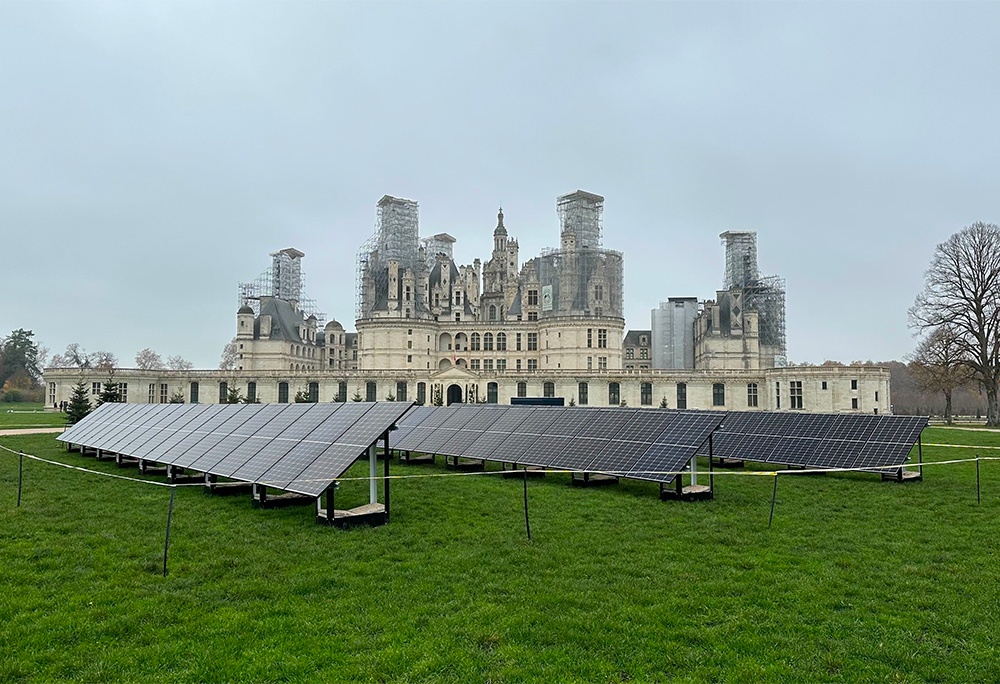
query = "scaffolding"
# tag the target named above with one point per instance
(283, 280)
(581, 213)
(396, 239)
(763, 294)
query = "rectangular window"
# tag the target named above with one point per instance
(400, 391)
(646, 394)
(532, 297)
(522, 389)
(282, 392)
(123, 392)
(371, 391)
(876, 396)
(598, 293)
(532, 364)
(532, 315)
(52, 393)
(583, 393)
(518, 364)
(421, 393)
(823, 385)
(532, 341)
(164, 397)
(517, 342)
(682, 395)
(602, 363)
(152, 393)
(487, 364)
(718, 394)
(409, 358)
(614, 394)
(854, 403)
(194, 392)
(602, 338)
(644, 353)
(474, 364)
(590, 363)
(223, 392)
(492, 392)
(777, 395)
(252, 392)
(629, 353)
(854, 384)
(795, 394)
(95, 388)
(341, 391)
(590, 337)
(752, 400)
(549, 389)
(501, 364)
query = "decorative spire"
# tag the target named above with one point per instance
(500, 230)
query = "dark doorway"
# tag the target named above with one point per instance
(454, 395)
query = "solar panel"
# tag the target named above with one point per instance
(259, 440)
(162, 452)
(239, 435)
(558, 440)
(95, 417)
(153, 426)
(460, 443)
(184, 417)
(632, 440)
(123, 421)
(175, 449)
(141, 422)
(678, 444)
(337, 458)
(285, 441)
(405, 425)
(234, 418)
(527, 433)
(427, 427)
(818, 440)
(487, 443)
(455, 420)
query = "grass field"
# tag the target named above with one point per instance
(857, 580)
(29, 415)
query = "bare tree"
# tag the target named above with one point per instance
(104, 360)
(76, 356)
(147, 359)
(230, 355)
(937, 366)
(179, 363)
(962, 292)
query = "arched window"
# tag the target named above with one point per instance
(474, 342)
(501, 342)
(491, 392)
(488, 342)
(614, 394)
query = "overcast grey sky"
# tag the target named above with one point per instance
(153, 154)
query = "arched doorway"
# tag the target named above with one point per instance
(454, 395)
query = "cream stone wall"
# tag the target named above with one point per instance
(839, 396)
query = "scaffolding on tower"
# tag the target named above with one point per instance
(763, 294)
(396, 239)
(283, 280)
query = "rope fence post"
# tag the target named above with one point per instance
(166, 541)
(527, 523)
(20, 476)
(979, 496)
(774, 495)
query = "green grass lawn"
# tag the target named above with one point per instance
(857, 580)
(29, 415)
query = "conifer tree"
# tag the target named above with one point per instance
(109, 391)
(79, 403)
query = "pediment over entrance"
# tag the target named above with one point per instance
(454, 374)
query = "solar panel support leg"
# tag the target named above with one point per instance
(711, 467)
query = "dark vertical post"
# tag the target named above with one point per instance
(331, 501)
(711, 467)
(920, 455)
(20, 476)
(527, 523)
(386, 478)
(166, 541)
(774, 495)
(979, 496)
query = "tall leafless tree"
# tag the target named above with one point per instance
(230, 355)
(937, 365)
(147, 359)
(962, 292)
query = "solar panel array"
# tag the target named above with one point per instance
(645, 444)
(818, 440)
(298, 448)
